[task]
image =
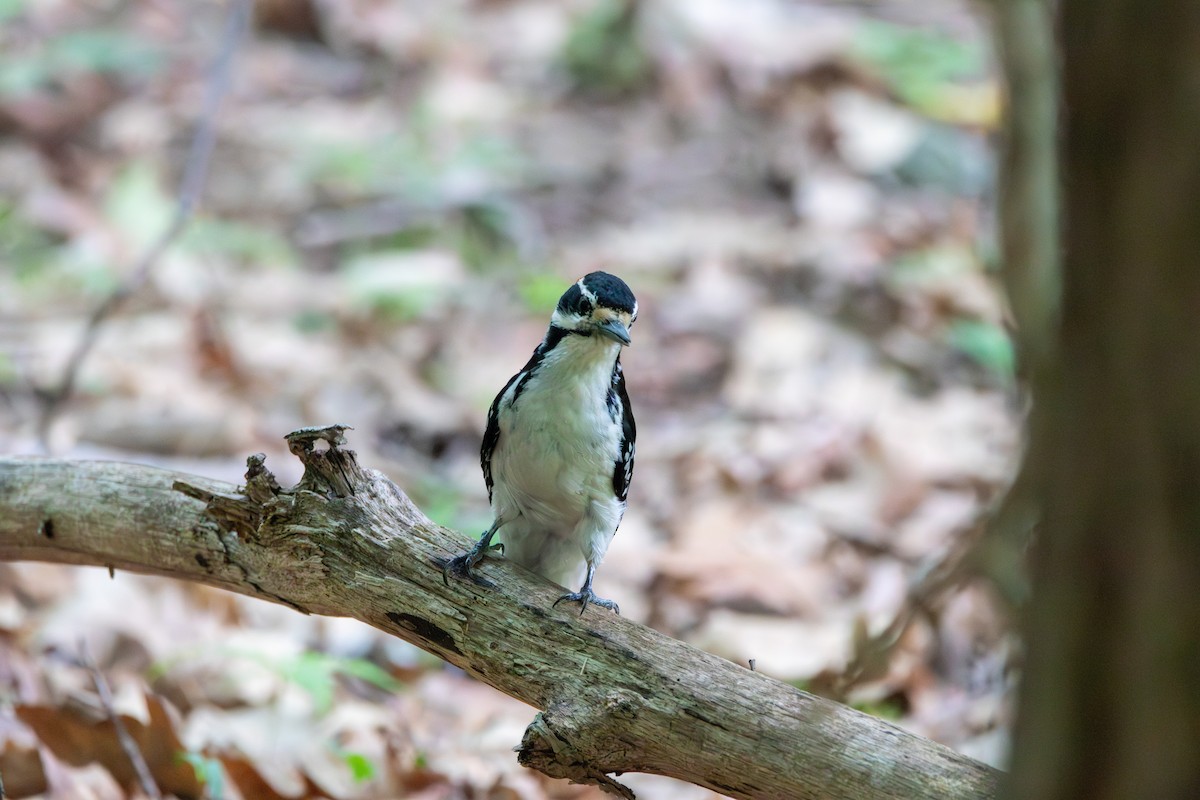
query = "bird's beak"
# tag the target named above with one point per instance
(613, 329)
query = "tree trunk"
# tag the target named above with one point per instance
(615, 696)
(1110, 703)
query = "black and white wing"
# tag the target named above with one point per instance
(491, 434)
(621, 409)
(491, 437)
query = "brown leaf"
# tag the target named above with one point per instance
(22, 770)
(51, 116)
(251, 783)
(78, 739)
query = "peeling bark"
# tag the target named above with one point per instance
(615, 696)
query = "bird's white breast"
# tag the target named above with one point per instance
(554, 460)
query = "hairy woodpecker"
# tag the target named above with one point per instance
(557, 455)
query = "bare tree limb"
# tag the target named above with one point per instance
(194, 172)
(615, 696)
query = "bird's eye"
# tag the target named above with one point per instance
(585, 306)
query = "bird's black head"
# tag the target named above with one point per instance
(597, 303)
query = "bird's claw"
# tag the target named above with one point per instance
(461, 565)
(586, 596)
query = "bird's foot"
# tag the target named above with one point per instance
(462, 565)
(585, 596)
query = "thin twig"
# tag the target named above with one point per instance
(936, 580)
(194, 172)
(145, 778)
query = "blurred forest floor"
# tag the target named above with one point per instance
(799, 193)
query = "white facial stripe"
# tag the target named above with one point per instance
(570, 321)
(591, 297)
(586, 292)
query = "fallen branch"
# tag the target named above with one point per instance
(615, 696)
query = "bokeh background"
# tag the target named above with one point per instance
(801, 196)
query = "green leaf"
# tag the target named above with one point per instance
(20, 76)
(541, 292)
(8, 370)
(103, 51)
(985, 343)
(603, 51)
(313, 321)
(919, 63)
(95, 51)
(362, 769)
(931, 267)
(137, 204)
(441, 500)
(208, 772)
(370, 672)
(238, 239)
(11, 8)
(314, 673)
(396, 284)
(23, 245)
(884, 709)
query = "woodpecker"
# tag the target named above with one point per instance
(557, 455)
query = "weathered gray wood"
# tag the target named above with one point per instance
(615, 696)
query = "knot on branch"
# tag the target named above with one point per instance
(261, 485)
(551, 748)
(281, 535)
(241, 512)
(328, 471)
